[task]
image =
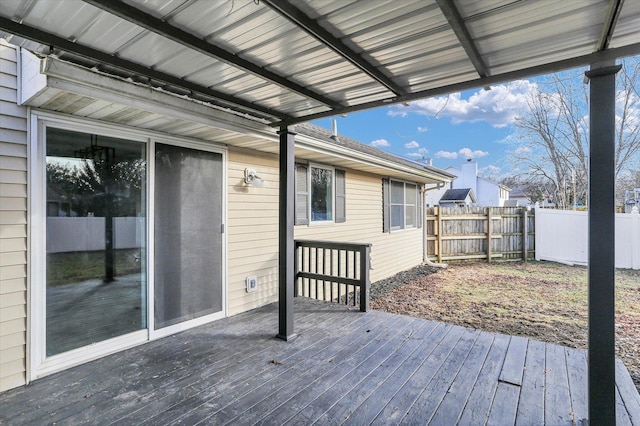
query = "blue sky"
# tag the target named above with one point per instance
(448, 129)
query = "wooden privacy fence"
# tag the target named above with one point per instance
(333, 272)
(458, 233)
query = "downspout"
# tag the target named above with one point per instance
(425, 258)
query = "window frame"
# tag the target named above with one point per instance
(333, 193)
(415, 204)
(334, 196)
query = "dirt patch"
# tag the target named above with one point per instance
(541, 300)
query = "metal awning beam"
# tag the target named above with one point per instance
(310, 26)
(619, 52)
(609, 25)
(161, 27)
(48, 39)
(457, 25)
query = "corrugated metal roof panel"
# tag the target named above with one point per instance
(410, 43)
(529, 34)
(626, 31)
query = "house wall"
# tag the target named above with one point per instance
(488, 194)
(252, 230)
(251, 227)
(13, 225)
(434, 194)
(391, 252)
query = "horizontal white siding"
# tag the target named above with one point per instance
(13, 225)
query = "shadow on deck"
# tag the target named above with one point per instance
(345, 367)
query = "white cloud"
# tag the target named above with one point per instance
(446, 154)
(468, 153)
(412, 144)
(490, 172)
(414, 155)
(421, 153)
(522, 150)
(498, 106)
(379, 142)
(422, 129)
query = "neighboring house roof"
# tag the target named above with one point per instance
(320, 133)
(458, 195)
(457, 172)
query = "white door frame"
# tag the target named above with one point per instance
(39, 364)
(175, 328)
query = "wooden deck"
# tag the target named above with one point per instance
(345, 367)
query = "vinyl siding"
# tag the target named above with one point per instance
(252, 231)
(390, 252)
(13, 225)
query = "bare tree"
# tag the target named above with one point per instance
(553, 136)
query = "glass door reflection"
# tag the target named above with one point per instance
(96, 239)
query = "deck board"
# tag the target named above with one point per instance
(380, 376)
(215, 387)
(557, 407)
(578, 379)
(531, 402)
(346, 367)
(630, 398)
(450, 409)
(436, 390)
(396, 408)
(479, 403)
(513, 366)
(366, 412)
(283, 402)
(504, 405)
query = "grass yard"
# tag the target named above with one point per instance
(541, 300)
(73, 267)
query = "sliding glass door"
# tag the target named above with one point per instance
(102, 284)
(95, 239)
(188, 234)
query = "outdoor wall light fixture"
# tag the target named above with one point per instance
(252, 178)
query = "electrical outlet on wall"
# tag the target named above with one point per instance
(252, 283)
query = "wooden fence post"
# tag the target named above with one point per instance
(525, 234)
(489, 229)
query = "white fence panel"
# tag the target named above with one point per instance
(66, 234)
(563, 236)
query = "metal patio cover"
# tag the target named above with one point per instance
(283, 62)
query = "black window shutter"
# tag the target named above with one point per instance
(419, 206)
(341, 197)
(302, 195)
(386, 207)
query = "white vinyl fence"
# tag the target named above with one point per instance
(66, 234)
(563, 236)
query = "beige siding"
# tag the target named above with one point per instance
(390, 252)
(13, 225)
(253, 229)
